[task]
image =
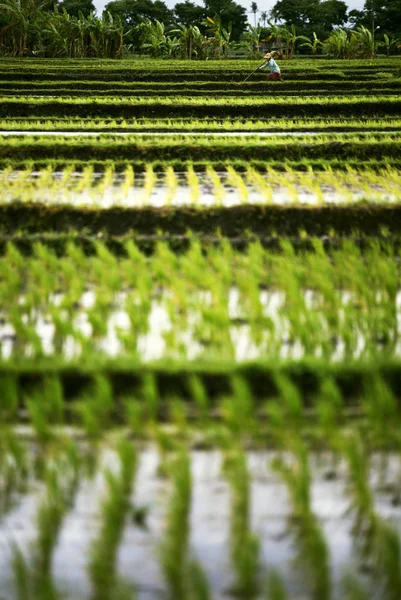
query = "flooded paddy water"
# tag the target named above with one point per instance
(203, 189)
(163, 334)
(210, 516)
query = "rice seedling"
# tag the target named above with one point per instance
(377, 540)
(172, 184)
(236, 181)
(175, 549)
(199, 585)
(193, 185)
(10, 402)
(14, 470)
(239, 410)
(219, 191)
(199, 395)
(95, 407)
(330, 411)
(129, 179)
(46, 408)
(313, 554)
(114, 513)
(286, 415)
(243, 542)
(149, 183)
(35, 579)
(199, 125)
(381, 409)
(150, 396)
(275, 589)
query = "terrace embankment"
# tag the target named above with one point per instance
(233, 222)
(176, 380)
(189, 126)
(289, 87)
(147, 149)
(176, 107)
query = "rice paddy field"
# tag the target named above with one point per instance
(200, 330)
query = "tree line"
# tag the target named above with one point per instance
(218, 28)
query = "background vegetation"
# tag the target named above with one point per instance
(217, 29)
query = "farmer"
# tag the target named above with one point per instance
(275, 72)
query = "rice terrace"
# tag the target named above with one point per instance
(200, 308)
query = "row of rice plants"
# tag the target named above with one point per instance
(179, 107)
(209, 70)
(352, 146)
(200, 125)
(198, 306)
(193, 89)
(197, 400)
(144, 86)
(61, 469)
(182, 166)
(216, 188)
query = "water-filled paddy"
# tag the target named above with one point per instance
(139, 557)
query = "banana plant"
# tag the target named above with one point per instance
(291, 38)
(219, 35)
(313, 43)
(252, 38)
(189, 37)
(390, 44)
(366, 42)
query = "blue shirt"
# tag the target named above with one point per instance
(273, 66)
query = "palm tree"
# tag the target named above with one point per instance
(254, 10)
(263, 16)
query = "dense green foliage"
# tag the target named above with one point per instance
(70, 29)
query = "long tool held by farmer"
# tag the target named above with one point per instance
(250, 75)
